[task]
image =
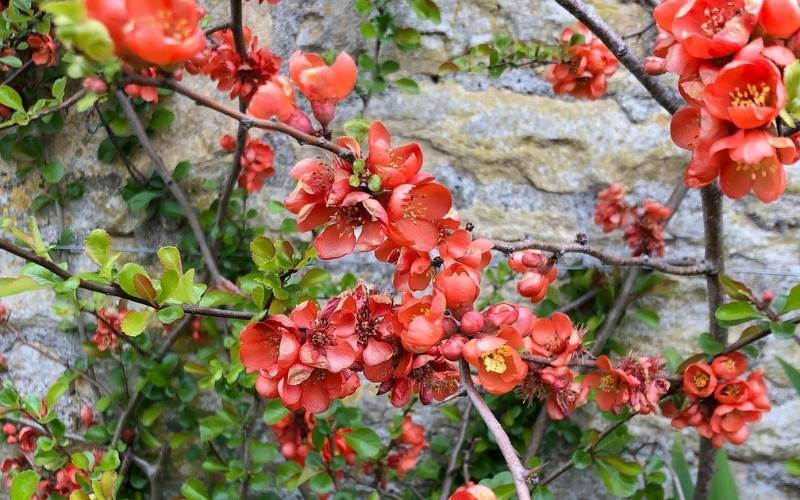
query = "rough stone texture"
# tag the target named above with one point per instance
(518, 160)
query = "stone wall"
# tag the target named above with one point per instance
(518, 160)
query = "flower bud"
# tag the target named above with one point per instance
(95, 84)
(87, 416)
(449, 326)
(385, 387)
(288, 449)
(767, 297)
(452, 347)
(524, 321)
(500, 314)
(472, 322)
(655, 65)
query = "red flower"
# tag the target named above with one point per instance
(413, 211)
(114, 16)
(645, 236)
(729, 366)
(748, 91)
(611, 210)
(109, 326)
(699, 380)
(163, 32)
(780, 18)
(408, 448)
(256, 164)
(143, 92)
(87, 415)
(539, 273)
(585, 67)
(241, 76)
(472, 491)
(27, 439)
(419, 321)
(394, 166)
(708, 29)
(753, 160)
(276, 99)
(323, 85)
(270, 346)
(652, 384)
(500, 367)
(292, 433)
(555, 338)
(612, 385)
(556, 386)
(330, 337)
(460, 286)
(432, 377)
(43, 49)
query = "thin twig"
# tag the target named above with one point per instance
(13, 76)
(273, 125)
(137, 176)
(537, 434)
(114, 290)
(174, 189)
(588, 449)
(700, 268)
(447, 484)
(624, 299)
(68, 103)
(217, 27)
(583, 13)
(176, 331)
(580, 301)
(249, 429)
(518, 472)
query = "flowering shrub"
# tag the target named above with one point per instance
(279, 348)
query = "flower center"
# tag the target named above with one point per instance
(495, 361)
(751, 95)
(700, 380)
(179, 29)
(762, 167)
(322, 335)
(608, 383)
(715, 20)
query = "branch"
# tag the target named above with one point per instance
(217, 27)
(177, 329)
(518, 472)
(537, 434)
(589, 449)
(662, 95)
(616, 260)
(258, 407)
(624, 299)
(583, 299)
(233, 175)
(174, 189)
(447, 484)
(236, 27)
(273, 125)
(13, 76)
(114, 289)
(712, 224)
(68, 103)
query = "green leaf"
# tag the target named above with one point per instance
(59, 387)
(581, 459)
(736, 289)
(182, 169)
(451, 413)
(723, 484)
(792, 466)
(10, 98)
(98, 247)
(791, 79)
(648, 316)
(793, 300)
(286, 472)
(734, 313)
(321, 483)
(407, 38)
(542, 493)
(357, 128)
(193, 489)
(140, 201)
(170, 314)
(426, 10)
(363, 7)
(24, 485)
(407, 85)
(11, 61)
(368, 30)
(314, 277)
(782, 329)
(135, 322)
(365, 442)
(618, 484)
(709, 344)
(110, 461)
(792, 373)
(274, 411)
(52, 172)
(161, 119)
(21, 284)
(170, 258)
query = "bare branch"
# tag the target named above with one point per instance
(518, 472)
(447, 484)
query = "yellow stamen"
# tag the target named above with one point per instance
(495, 361)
